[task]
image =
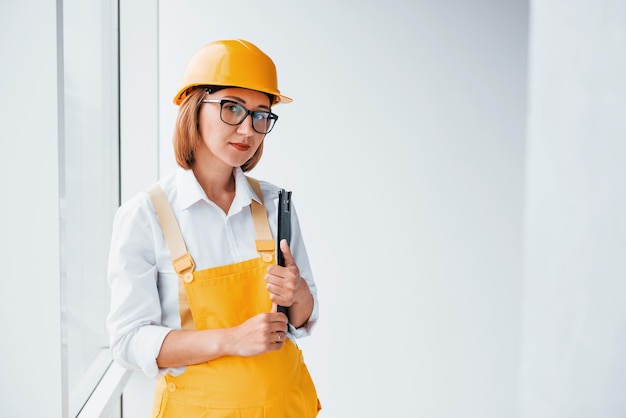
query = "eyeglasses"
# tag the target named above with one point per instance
(233, 113)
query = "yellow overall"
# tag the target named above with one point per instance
(271, 385)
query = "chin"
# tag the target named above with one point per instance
(236, 163)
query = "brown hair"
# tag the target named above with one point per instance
(187, 136)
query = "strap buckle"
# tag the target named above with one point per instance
(184, 267)
(266, 249)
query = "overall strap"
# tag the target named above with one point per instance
(181, 259)
(264, 241)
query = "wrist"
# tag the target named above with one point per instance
(302, 292)
(216, 343)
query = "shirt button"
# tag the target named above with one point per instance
(188, 277)
(267, 258)
(171, 386)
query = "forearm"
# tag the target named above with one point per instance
(184, 348)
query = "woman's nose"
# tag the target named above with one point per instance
(245, 127)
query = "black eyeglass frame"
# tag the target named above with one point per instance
(253, 113)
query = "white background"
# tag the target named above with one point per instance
(573, 360)
(462, 201)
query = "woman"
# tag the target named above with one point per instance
(192, 270)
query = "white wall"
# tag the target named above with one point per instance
(573, 357)
(404, 149)
(30, 300)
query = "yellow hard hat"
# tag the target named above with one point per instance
(231, 62)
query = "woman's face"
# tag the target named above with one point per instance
(225, 144)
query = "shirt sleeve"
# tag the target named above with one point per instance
(134, 320)
(299, 252)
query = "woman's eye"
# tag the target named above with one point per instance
(260, 115)
(233, 108)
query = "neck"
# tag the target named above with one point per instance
(218, 184)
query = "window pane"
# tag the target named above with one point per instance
(90, 177)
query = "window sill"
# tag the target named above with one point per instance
(107, 394)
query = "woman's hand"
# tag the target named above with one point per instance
(261, 333)
(283, 282)
(288, 288)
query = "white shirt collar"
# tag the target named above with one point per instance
(190, 191)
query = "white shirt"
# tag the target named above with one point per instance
(144, 285)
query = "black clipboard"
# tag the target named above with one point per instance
(284, 230)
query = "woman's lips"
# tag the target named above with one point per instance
(240, 147)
